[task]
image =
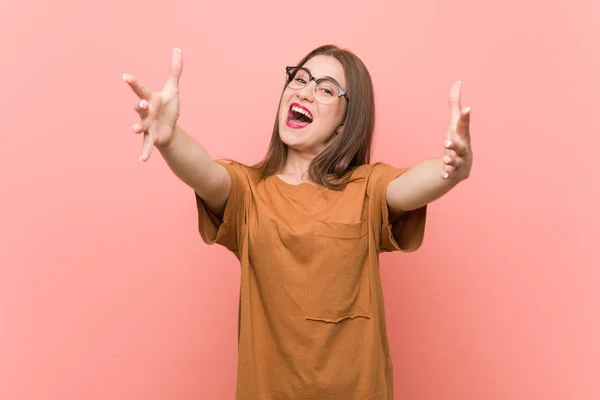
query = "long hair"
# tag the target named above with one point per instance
(346, 151)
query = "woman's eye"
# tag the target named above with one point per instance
(301, 81)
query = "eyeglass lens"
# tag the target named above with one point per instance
(325, 92)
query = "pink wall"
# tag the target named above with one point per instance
(106, 290)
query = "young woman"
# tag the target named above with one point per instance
(308, 224)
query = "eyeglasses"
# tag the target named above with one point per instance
(327, 90)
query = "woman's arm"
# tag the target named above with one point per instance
(190, 162)
(431, 179)
(418, 186)
(187, 158)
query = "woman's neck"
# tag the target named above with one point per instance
(296, 166)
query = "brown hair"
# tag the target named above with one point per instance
(346, 151)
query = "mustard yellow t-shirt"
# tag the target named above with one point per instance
(311, 318)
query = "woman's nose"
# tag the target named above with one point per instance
(308, 91)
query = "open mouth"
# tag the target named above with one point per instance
(298, 116)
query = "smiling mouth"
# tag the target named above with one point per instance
(298, 117)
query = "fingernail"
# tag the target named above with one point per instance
(143, 103)
(448, 143)
(468, 109)
(140, 159)
(447, 159)
(124, 77)
(177, 49)
(460, 82)
(446, 175)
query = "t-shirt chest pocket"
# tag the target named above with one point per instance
(339, 280)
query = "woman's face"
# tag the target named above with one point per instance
(310, 135)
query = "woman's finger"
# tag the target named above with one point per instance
(141, 107)
(448, 171)
(462, 127)
(172, 84)
(147, 145)
(138, 127)
(454, 104)
(139, 89)
(451, 153)
(144, 109)
(459, 146)
(455, 162)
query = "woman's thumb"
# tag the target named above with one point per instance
(172, 83)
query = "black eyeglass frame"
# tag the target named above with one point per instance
(341, 93)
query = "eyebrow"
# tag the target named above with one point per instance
(329, 77)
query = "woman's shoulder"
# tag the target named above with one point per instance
(371, 170)
(242, 175)
(238, 166)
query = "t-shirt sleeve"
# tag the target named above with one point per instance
(228, 231)
(408, 231)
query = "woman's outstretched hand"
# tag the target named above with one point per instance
(459, 157)
(158, 111)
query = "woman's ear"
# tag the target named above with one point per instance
(339, 129)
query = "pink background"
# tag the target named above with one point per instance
(106, 289)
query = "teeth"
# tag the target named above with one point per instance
(302, 111)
